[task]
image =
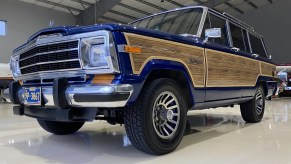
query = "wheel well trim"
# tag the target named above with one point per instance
(152, 58)
(152, 66)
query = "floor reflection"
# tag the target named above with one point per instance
(103, 143)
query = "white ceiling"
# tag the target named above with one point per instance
(233, 7)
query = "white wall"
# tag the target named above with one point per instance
(274, 23)
(23, 20)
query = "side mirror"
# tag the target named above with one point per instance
(212, 33)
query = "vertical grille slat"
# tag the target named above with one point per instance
(51, 57)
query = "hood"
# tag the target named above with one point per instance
(70, 30)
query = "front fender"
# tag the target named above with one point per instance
(159, 64)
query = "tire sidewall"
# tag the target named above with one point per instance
(173, 142)
(260, 116)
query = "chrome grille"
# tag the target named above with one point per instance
(51, 57)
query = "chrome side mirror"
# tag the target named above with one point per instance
(212, 33)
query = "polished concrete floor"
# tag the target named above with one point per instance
(213, 136)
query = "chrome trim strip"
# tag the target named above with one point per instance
(43, 42)
(202, 22)
(50, 52)
(50, 62)
(37, 75)
(47, 93)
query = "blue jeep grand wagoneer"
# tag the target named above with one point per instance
(145, 75)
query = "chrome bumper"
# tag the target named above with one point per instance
(98, 96)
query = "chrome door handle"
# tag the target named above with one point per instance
(255, 55)
(235, 49)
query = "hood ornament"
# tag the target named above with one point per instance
(51, 24)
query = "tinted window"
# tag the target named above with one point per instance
(257, 46)
(216, 22)
(237, 37)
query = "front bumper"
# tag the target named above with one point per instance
(63, 95)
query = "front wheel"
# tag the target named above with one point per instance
(60, 128)
(253, 111)
(156, 123)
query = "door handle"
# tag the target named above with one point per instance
(235, 49)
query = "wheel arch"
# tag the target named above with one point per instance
(160, 68)
(267, 83)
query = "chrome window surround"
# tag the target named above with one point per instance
(57, 38)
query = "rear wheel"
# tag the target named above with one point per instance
(60, 128)
(253, 110)
(156, 123)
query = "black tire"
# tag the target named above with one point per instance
(145, 120)
(253, 111)
(60, 128)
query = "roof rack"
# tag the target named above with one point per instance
(238, 21)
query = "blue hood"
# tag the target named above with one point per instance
(70, 30)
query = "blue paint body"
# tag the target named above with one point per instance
(202, 97)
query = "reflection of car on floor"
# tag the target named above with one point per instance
(5, 77)
(146, 75)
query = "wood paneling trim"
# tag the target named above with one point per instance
(206, 67)
(191, 57)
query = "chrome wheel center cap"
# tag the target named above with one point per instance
(166, 114)
(170, 115)
(260, 102)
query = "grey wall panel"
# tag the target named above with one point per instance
(274, 23)
(24, 19)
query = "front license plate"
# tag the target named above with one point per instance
(32, 96)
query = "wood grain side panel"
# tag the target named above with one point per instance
(268, 69)
(226, 70)
(192, 57)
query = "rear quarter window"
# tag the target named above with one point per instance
(257, 46)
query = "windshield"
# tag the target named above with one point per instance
(177, 22)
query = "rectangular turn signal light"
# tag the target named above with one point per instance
(131, 49)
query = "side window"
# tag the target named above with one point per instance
(237, 37)
(216, 22)
(257, 46)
